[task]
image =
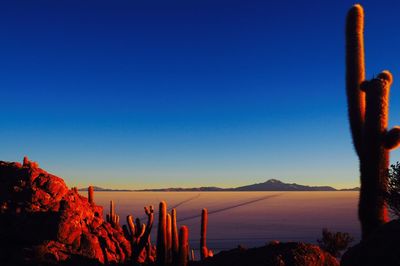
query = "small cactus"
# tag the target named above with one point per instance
(183, 246)
(91, 195)
(203, 236)
(192, 257)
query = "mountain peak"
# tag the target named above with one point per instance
(274, 181)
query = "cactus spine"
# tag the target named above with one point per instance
(203, 236)
(91, 195)
(183, 246)
(162, 235)
(368, 116)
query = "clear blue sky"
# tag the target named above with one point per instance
(133, 94)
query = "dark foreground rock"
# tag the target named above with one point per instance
(44, 222)
(381, 248)
(274, 254)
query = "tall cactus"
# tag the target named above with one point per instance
(162, 235)
(203, 236)
(183, 246)
(368, 114)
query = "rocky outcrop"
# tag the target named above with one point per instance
(380, 248)
(44, 222)
(273, 254)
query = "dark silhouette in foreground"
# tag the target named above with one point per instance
(368, 111)
(368, 108)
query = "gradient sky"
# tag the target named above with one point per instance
(135, 94)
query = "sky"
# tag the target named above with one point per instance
(150, 94)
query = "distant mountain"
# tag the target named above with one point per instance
(269, 185)
(277, 185)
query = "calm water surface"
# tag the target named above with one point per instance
(247, 218)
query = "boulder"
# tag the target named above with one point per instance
(44, 222)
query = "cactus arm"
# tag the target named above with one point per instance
(142, 230)
(355, 73)
(391, 139)
(131, 225)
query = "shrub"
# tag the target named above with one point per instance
(334, 242)
(393, 193)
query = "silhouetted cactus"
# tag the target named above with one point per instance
(368, 103)
(91, 195)
(183, 246)
(162, 235)
(203, 236)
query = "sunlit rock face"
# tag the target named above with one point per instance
(273, 254)
(42, 221)
(380, 248)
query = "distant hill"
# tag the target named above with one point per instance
(269, 185)
(350, 189)
(277, 185)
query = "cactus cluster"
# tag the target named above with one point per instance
(172, 248)
(138, 235)
(368, 106)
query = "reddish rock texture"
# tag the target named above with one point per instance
(42, 221)
(274, 254)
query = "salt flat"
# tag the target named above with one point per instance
(247, 218)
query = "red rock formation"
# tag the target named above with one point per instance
(42, 221)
